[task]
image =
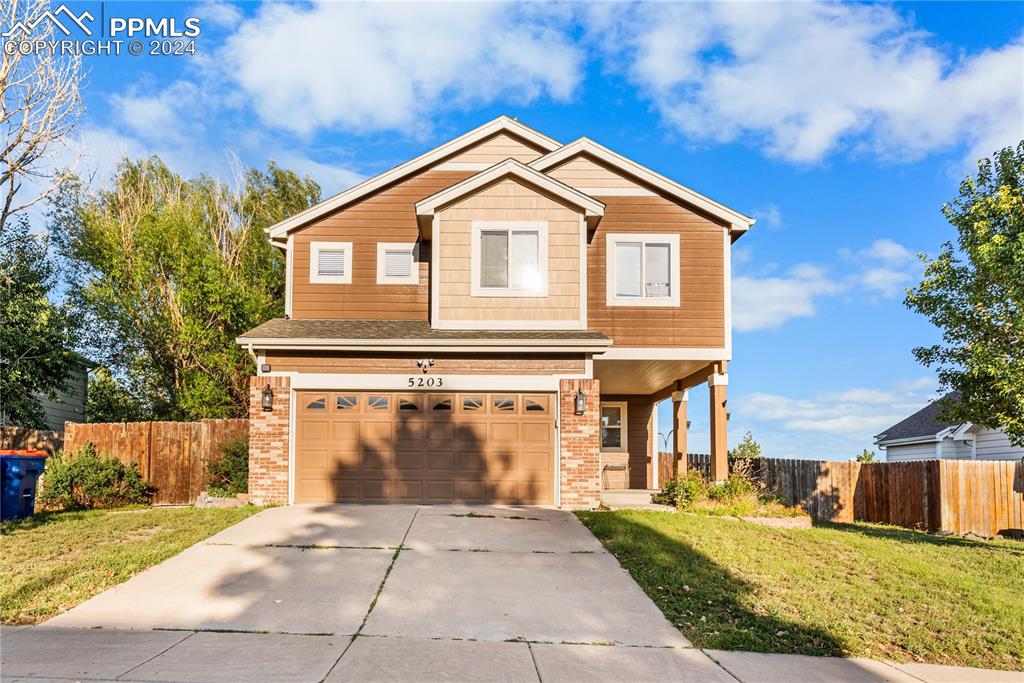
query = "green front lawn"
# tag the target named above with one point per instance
(55, 560)
(852, 590)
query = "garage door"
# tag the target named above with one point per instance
(424, 448)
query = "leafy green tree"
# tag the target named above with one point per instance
(747, 448)
(36, 355)
(866, 456)
(975, 295)
(110, 401)
(170, 271)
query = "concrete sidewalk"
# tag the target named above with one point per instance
(397, 593)
(59, 654)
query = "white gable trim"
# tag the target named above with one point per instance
(738, 222)
(592, 208)
(498, 125)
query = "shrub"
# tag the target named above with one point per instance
(741, 495)
(84, 479)
(682, 491)
(228, 474)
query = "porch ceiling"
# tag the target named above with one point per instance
(641, 376)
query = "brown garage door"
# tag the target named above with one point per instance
(424, 448)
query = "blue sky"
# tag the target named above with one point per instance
(843, 128)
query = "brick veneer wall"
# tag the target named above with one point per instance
(268, 441)
(580, 446)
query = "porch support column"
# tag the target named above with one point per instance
(679, 399)
(719, 445)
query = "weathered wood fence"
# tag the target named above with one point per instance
(19, 438)
(957, 496)
(171, 455)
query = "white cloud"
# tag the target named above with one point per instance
(770, 215)
(858, 412)
(765, 303)
(888, 268)
(217, 14)
(391, 66)
(165, 115)
(810, 78)
(333, 178)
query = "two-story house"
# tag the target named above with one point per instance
(492, 321)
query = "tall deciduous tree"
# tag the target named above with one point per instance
(39, 108)
(171, 271)
(975, 295)
(36, 356)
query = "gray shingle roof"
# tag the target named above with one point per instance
(923, 423)
(283, 328)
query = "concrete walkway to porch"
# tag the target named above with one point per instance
(357, 593)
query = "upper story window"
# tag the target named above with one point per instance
(330, 262)
(509, 258)
(397, 263)
(643, 269)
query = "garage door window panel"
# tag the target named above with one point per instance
(346, 402)
(378, 403)
(472, 404)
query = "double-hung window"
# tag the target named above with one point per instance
(613, 426)
(330, 262)
(643, 269)
(509, 258)
(397, 263)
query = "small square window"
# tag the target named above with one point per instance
(472, 403)
(317, 404)
(643, 269)
(397, 263)
(509, 258)
(536, 404)
(378, 402)
(442, 405)
(330, 262)
(408, 404)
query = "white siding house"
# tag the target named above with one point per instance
(924, 436)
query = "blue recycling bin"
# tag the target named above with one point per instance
(19, 474)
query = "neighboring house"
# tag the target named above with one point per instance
(69, 406)
(492, 321)
(923, 436)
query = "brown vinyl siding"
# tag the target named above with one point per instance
(700, 318)
(582, 171)
(463, 364)
(387, 216)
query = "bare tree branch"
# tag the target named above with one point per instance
(40, 105)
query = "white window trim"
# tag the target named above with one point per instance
(673, 261)
(542, 259)
(383, 278)
(314, 257)
(623, 407)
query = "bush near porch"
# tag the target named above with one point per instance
(55, 560)
(837, 589)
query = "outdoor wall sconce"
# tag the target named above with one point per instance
(267, 401)
(581, 402)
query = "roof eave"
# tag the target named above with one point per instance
(738, 222)
(502, 123)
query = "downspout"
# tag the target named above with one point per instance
(255, 360)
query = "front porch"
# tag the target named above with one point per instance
(633, 443)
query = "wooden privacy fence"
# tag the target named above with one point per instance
(171, 455)
(19, 438)
(983, 497)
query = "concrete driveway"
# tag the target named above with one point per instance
(308, 593)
